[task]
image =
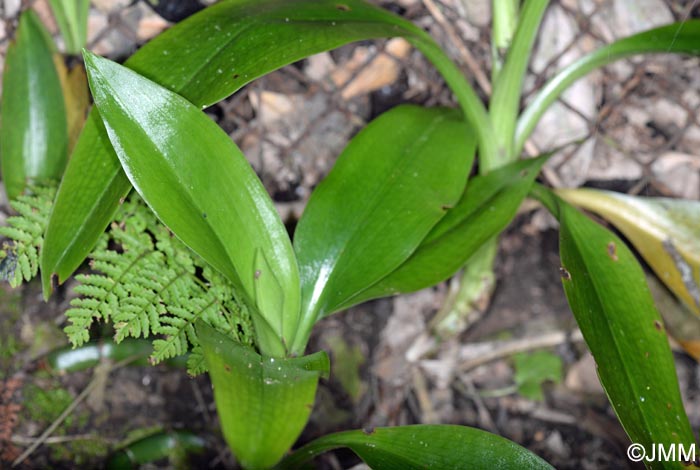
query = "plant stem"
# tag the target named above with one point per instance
(505, 21)
(507, 90)
(473, 108)
(474, 288)
(676, 37)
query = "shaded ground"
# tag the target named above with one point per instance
(641, 120)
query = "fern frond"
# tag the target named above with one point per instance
(195, 363)
(24, 233)
(147, 283)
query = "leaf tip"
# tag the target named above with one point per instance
(49, 282)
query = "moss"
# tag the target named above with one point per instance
(80, 451)
(45, 405)
(10, 312)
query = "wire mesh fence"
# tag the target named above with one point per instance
(632, 126)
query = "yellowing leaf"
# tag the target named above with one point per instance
(609, 297)
(666, 232)
(76, 96)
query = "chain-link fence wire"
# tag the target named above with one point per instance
(632, 126)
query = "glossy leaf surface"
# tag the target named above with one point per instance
(665, 231)
(682, 38)
(607, 292)
(389, 187)
(423, 446)
(263, 403)
(230, 44)
(484, 210)
(162, 445)
(33, 135)
(202, 187)
(72, 17)
(204, 58)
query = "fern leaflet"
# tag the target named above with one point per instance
(19, 257)
(147, 282)
(143, 280)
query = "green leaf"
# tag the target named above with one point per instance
(34, 133)
(202, 187)
(173, 445)
(71, 359)
(665, 231)
(531, 370)
(610, 299)
(71, 17)
(682, 38)
(423, 446)
(389, 187)
(484, 210)
(87, 199)
(505, 101)
(206, 58)
(505, 22)
(263, 403)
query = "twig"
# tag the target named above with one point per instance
(483, 81)
(420, 387)
(200, 402)
(475, 355)
(466, 387)
(26, 440)
(468, 58)
(57, 422)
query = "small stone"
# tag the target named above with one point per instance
(97, 23)
(477, 12)
(680, 173)
(43, 11)
(665, 112)
(611, 164)
(12, 8)
(150, 24)
(583, 378)
(111, 5)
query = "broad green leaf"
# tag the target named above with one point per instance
(484, 210)
(610, 299)
(71, 17)
(206, 58)
(682, 38)
(202, 187)
(389, 187)
(33, 134)
(507, 90)
(263, 402)
(665, 231)
(531, 370)
(423, 446)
